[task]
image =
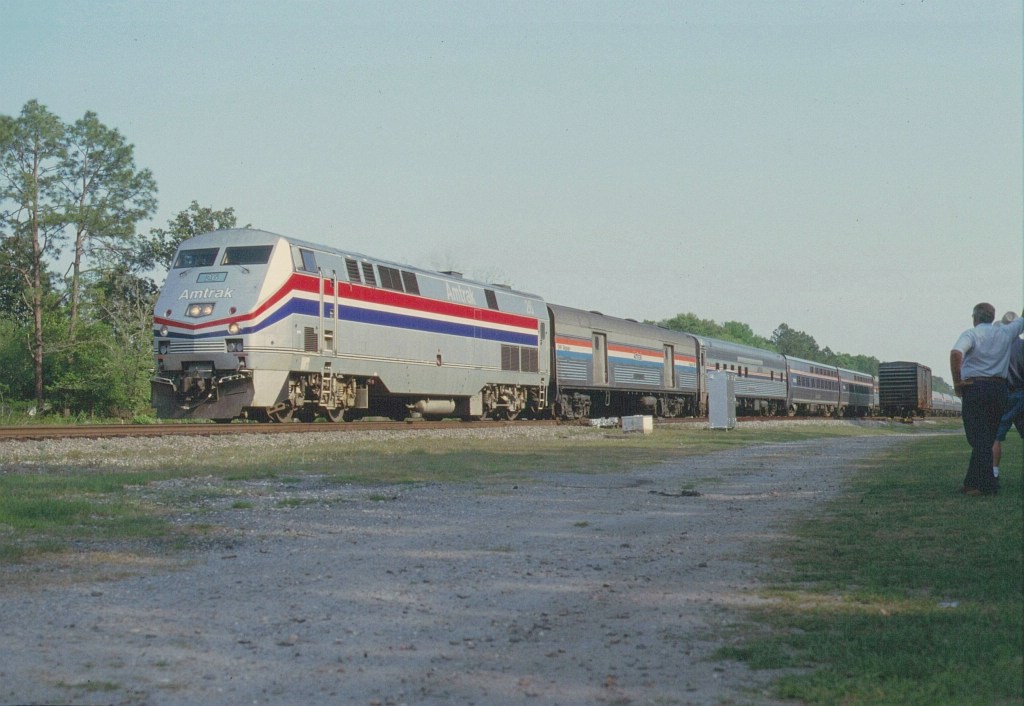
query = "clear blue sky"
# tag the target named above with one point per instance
(853, 169)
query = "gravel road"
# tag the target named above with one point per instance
(566, 589)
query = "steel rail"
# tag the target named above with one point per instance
(106, 431)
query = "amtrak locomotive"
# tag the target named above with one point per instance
(254, 325)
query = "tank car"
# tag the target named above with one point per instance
(256, 325)
(813, 387)
(904, 389)
(606, 366)
(760, 384)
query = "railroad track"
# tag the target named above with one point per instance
(106, 431)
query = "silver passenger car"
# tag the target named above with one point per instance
(857, 394)
(606, 366)
(813, 387)
(760, 375)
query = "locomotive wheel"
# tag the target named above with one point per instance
(335, 415)
(282, 415)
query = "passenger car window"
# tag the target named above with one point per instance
(202, 257)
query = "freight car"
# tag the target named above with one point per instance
(904, 389)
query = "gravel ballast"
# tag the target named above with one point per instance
(564, 589)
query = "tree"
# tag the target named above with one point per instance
(691, 323)
(104, 196)
(795, 343)
(742, 333)
(31, 156)
(158, 249)
(15, 295)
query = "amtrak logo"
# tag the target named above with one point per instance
(190, 294)
(460, 294)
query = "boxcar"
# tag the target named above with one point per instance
(904, 389)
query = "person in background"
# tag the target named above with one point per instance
(978, 363)
(1014, 413)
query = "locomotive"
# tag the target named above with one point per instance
(255, 325)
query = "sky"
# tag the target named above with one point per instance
(852, 169)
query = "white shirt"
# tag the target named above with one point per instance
(986, 349)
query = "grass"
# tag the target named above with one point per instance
(46, 512)
(50, 502)
(902, 591)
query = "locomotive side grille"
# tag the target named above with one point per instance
(353, 270)
(311, 340)
(530, 360)
(509, 358)
(519, 358)
(412, 285)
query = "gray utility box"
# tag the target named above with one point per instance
(721, 400)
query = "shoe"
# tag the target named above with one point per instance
(973, 492)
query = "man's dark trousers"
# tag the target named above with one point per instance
(984, 400)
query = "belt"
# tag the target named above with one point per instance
(990, 379)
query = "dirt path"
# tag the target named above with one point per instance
(569, 589)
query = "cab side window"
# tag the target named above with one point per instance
(308, 260)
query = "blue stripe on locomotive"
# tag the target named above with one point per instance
(351, 314)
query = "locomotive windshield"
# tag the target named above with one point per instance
(202, 257)
(247, 255)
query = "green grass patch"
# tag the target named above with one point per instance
(45, 512)
(50, 502)
(902, 591)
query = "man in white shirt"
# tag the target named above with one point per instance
(978, 363)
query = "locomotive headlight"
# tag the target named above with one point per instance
(233, 329)
(198, 310)
(164, 331)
